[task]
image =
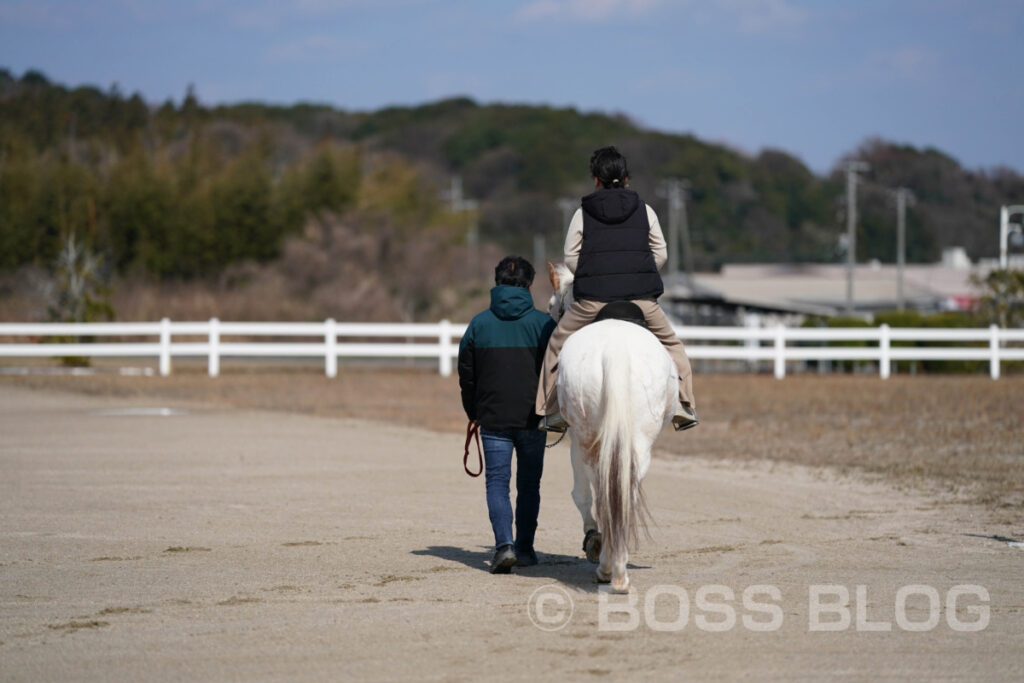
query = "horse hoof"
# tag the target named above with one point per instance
(592, 546)
(620, 590)
(600, 577)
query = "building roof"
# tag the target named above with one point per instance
(821, 288)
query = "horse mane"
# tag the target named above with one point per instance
(561, 275)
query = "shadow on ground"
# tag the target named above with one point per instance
(1001, 539)
(572, 571)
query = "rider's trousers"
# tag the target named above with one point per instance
(579, 314)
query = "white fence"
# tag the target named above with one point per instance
(325, 340)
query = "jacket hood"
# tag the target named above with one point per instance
(510, 303)
(611, 206)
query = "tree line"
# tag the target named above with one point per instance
(161, 192)
(182, 190)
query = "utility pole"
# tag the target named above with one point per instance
(459, 204)
(675, 189)
(903, 197)
(1004, 233)
(852, 167)
(568, 207)
(538, 251)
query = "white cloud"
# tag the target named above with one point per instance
(581, 10)
(58, 15)
(268, 14)
(744, 16)
(760, 16)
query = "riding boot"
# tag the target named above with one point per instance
(554, 423)
(684, 418)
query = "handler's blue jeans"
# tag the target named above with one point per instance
(529, 447)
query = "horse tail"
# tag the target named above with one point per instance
(620, 507)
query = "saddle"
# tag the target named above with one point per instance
(622, 310)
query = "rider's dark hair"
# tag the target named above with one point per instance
(609, 167)
(514, 271)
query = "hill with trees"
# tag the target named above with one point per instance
(185, 193)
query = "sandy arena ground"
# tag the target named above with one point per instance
(214, 542)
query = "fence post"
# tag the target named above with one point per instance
(883, 350)
(780, 351)
(331, 348)
(213, 363)
(993, 347)
(445, 343)
(165, 347)
(752, 323)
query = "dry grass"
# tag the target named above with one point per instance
(962, 434)
(961, 431)
(359, 268)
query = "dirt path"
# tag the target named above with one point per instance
(228, 544)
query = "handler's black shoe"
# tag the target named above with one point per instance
(504, 558)
(527, 558)
(685, 418)
(554, 423)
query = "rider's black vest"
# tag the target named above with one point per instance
(616, 262)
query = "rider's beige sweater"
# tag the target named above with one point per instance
(574, 240)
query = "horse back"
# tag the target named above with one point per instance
(588, 362)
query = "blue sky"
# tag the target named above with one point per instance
(812, 78)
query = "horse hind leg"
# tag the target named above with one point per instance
(583, 495)
(612, 569)
(620, 578)
(603, 554)
(603, 573)
(592, 545)
(619, 517)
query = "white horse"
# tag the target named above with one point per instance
(617, 388)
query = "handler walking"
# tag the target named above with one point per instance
(499, 361)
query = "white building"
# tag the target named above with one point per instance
(788, 292)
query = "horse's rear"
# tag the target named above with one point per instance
(617, 389)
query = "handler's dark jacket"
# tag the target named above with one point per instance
(616, 262)
(500, 359)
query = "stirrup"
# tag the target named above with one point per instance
(554, 423)
(685, 418)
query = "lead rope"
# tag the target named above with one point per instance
(473, 429)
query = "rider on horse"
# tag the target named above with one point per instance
(615, 247)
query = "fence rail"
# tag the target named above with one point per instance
(777, 345)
